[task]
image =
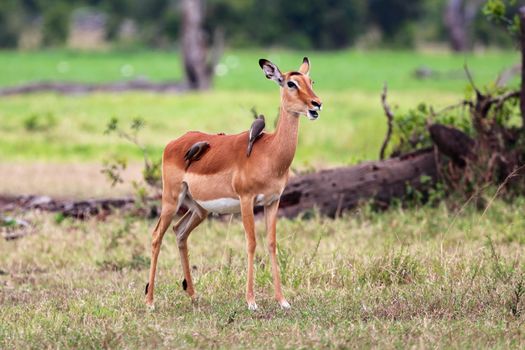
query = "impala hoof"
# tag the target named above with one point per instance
(252, 306)
(151, 307)
(284, 305)
(195, 298)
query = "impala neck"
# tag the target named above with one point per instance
(285, 138)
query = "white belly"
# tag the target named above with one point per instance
(221, 205)
(233, 205)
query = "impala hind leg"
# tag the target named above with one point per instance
(182, 229)
(249, 229)
(270, 213)
(166, 216)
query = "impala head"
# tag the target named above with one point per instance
(296, 88)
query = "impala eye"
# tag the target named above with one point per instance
(291, 85)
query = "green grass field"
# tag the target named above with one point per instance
(413, 278)
(70, 128)
(422, 277)
(332, 71)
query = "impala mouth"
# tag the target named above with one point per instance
(313, 114)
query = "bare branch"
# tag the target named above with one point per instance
(454, 106)
(522, 44)
(469, 77)
(390, 118)
(513, 174)
(499, 100)
(507, 74)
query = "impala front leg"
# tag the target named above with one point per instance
(270, 213)
(249, 228)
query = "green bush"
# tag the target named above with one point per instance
(56, 21)
(39, 122)
(9, 23)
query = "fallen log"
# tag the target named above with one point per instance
(333, 191)
(452, 142)
(330, 191)
(80, 209)
(84, 88)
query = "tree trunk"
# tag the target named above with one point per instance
(457, 17)
(194, 45)
(333, 191)
(453, 21)
(522, 43)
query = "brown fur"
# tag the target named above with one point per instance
(224, 171)
(219, 157)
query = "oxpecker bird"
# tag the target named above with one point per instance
(255, 132)
(195, 152)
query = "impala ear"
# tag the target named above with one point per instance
(305, 66)
(271, 71)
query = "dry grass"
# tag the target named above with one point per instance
(64, 180)
(400, 279)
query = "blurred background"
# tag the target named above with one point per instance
(310, 24)
(68, 68)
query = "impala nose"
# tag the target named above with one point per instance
(317, 104)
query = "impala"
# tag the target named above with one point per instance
(225, 180)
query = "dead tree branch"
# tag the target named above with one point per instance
(499, 100)
(471, 81)
(507, 74)
(522, 43)
(390, 119)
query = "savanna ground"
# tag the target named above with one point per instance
(404, 278)
(449, 276)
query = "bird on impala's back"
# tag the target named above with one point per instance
(195, 152)
(256, 130)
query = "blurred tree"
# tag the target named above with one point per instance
(325, 25)
(55, 15)
(504, 13)
(194, 48)
(317, 24)
(396, 19)
(309, 23)
(10, 22)
(458, 17)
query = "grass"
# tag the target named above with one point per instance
(72, 128)
(332, 70)
(56, 129)
(406, 278)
